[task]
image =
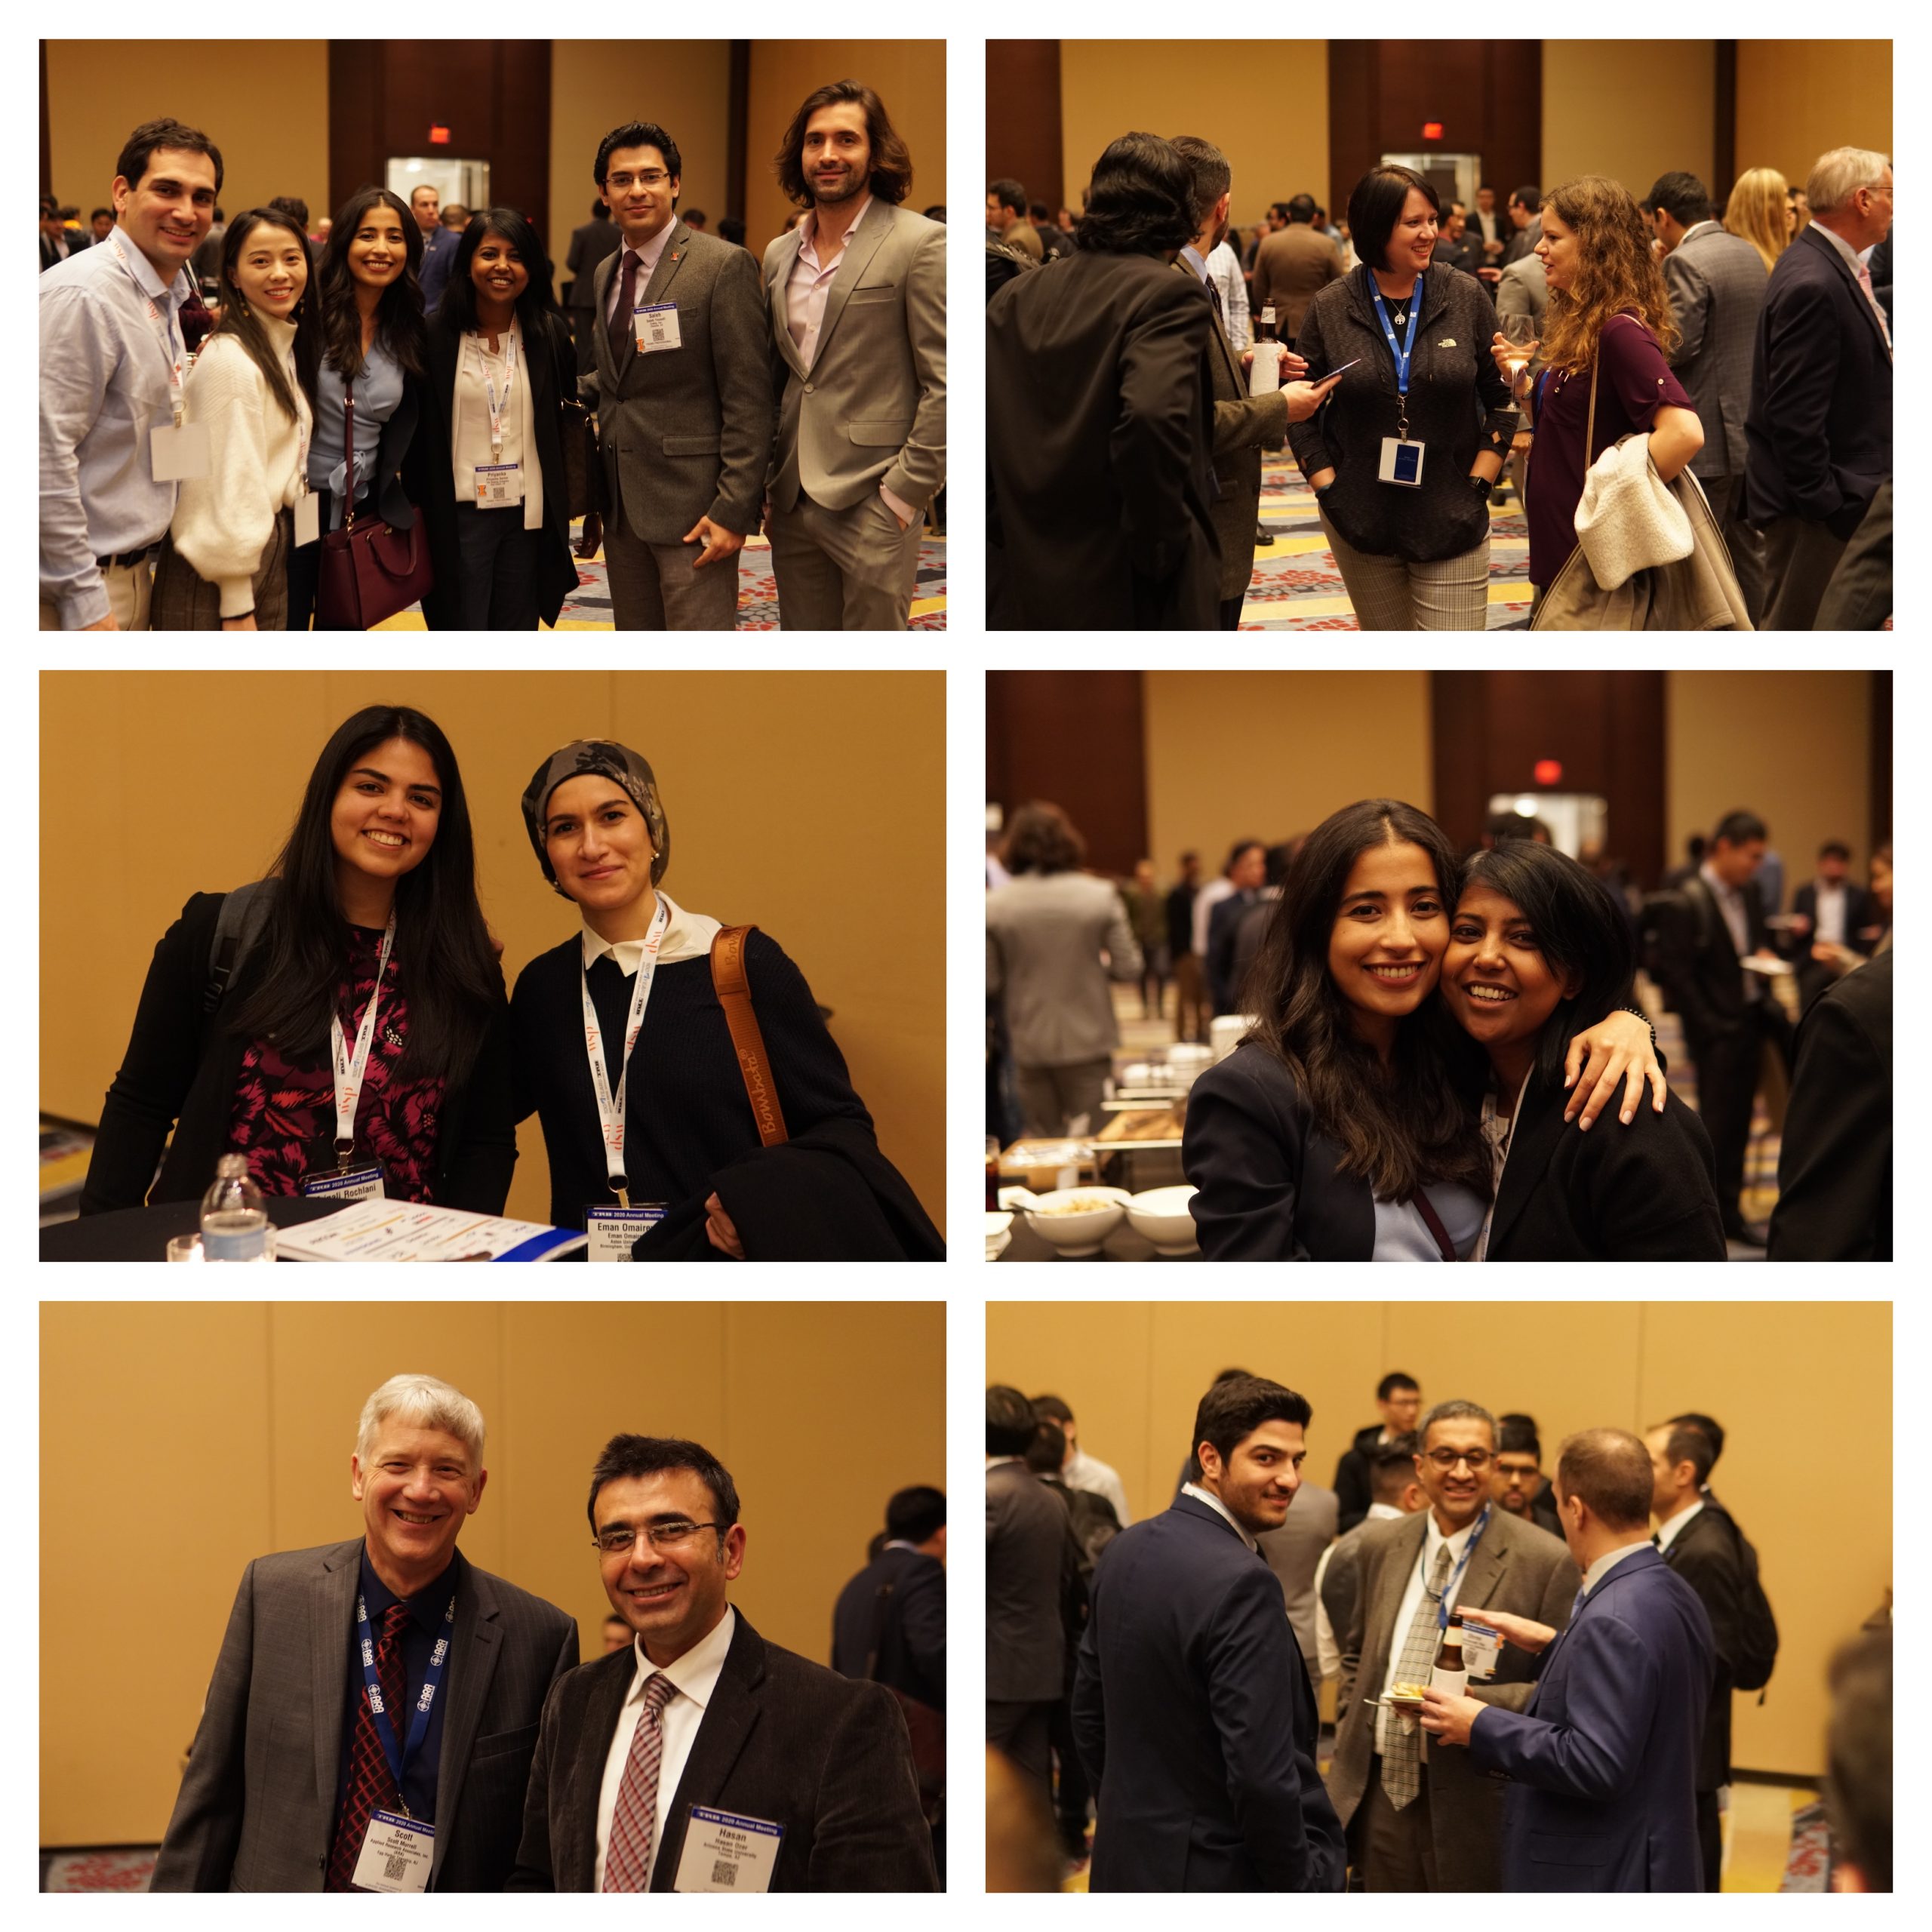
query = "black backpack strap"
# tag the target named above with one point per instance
(243, 914)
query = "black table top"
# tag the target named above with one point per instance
(142, 1234)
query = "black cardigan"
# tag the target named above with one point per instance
(1452, 381)
(179, 1072)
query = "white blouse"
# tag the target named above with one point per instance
(470, 415)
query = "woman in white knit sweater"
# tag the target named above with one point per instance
(225, 563)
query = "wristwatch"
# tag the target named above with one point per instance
(1482, 486)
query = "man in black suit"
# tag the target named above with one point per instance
(1819, 429)
(1398, 1397)
(1829, 909)
(1699, 1544)
(1192, 1708)
(1100, 418)
(704, 1758)
(1728, 1011)
(1032, 1581)
(598, 237)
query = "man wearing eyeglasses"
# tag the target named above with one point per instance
(1419, 1818)
(703, 1758)
(373, 1709)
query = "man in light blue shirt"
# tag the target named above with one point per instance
(112, 353)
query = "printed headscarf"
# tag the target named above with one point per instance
(598, 758)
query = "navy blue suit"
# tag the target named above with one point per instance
(1603, 1760)
(439, 247)
(1195, 1722)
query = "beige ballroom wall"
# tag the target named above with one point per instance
(1632, 109)
(264, 104)
(1794, 747)
(809, 802)
(1801, 1451)
(249, 1409)
(1265, 107)
(908, 75)
(1260, 754)
(1799, 99)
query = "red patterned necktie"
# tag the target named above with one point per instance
(371, 1782)
(634, 1822)
(621, 329)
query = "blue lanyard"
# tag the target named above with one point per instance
(1402, 355)
(365, 1645)
(1468, 1550)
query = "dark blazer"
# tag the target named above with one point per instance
(1353, 1492)
(1223, 922)
(1644, 1193)
(1716, 281)
(1698, 964)
(1834, 1167)
(1458, 403)
(589, 246)
(553, 382)
(782, 1740)
(1100, 440)
(432, 275)
(256, 1811)
(398, 485)
(1604, 1761)
(1194, 1718)
(1819, 429)
(1860, 912)
(1705, 1554)
(1466, 254)
(177, 1072)
(910, 1635)
(1032, 1563)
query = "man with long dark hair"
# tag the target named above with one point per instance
(856, 299)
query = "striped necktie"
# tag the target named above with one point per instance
(634, 1822)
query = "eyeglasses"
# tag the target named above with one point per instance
(620, 1539)
(651, 178)
(1446, 1460)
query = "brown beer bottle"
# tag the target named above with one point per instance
(1450, 1674)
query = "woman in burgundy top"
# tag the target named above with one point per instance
(1608, 308)
(232, 1043)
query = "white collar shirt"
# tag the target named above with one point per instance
(648, 259)
(1220, 1510)
(1668, 1533)
(687, 936)
(1831, 912)
(1327, 1651)
(1605, 1564)
(1731, 903)
(1432, 1540)
(695, 1675)
(810, 281)
(1224, 271)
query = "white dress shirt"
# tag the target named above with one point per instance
(1098, 1478)
(1220, 1510)
(1328, 1651)
(1668, 1533)
(1831, 912)
(696, 1674)
(469, 407)
(687, 936)
(1432, 1540)
(1224, 271)
(1602, 1567)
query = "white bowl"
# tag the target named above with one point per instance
(999, 1234)
(1077, 1235)
(1160, 1216)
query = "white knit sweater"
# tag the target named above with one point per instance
(223, 521)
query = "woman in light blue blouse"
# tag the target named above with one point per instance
(372, 338)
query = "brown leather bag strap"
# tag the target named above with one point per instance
(734, 995)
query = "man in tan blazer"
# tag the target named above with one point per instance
(1421, 1819)
(856, 297)
(682, 389)
(1292, 267)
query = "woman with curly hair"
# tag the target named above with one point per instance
(1760, 211)
(1605, 335)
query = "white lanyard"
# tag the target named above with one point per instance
(498, 410)
(610, 1108)
(348, 1072)
(178, 398)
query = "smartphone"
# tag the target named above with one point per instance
(1333, 373)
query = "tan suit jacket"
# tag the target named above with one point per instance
(1292, 267)
(1516, 1567)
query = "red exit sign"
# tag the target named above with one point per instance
(1431, 131)
(439, 137)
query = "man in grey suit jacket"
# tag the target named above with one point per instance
(683, 396)
(1716, 282)
(1421, 1819)
(1293, 1552)
(291, 1762)
(856, 294)
(700, 1758)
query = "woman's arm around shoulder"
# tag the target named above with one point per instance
(1246, 1125)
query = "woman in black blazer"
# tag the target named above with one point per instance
(506, 565)
(1536, 940)
(374, 895)
(1344, 1127)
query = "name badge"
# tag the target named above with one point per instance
(1401, 462)
(396, 1855)
(357, 1184)
(724, 1853)
(613, 1230)
(498, 483)
(656, 328)
(179, 456)
(308, 518)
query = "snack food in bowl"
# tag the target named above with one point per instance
(1160, 1215)
(1076, 1221)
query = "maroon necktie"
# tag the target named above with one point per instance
(370, 1781)
(620, 328)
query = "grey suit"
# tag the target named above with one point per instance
(871, 409)
(1515, 1567)
(685, 433)
(1524, 289)
(1292, 1551)
(257, 1805)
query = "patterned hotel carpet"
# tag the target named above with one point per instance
(589, 610)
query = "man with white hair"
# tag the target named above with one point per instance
(374, 1707)
(1818, 431)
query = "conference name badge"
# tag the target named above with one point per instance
(724, 1853)
(396, 1854)
(308, 518)
(498, 485)
(357, 1184)
(179, 453)
(1401, 462)
(612, 1230)
(656, 328)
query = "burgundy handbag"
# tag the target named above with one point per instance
(370, 570)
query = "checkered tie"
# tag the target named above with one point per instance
(371, 1782)
(627, 1859)
(1401, 1754)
